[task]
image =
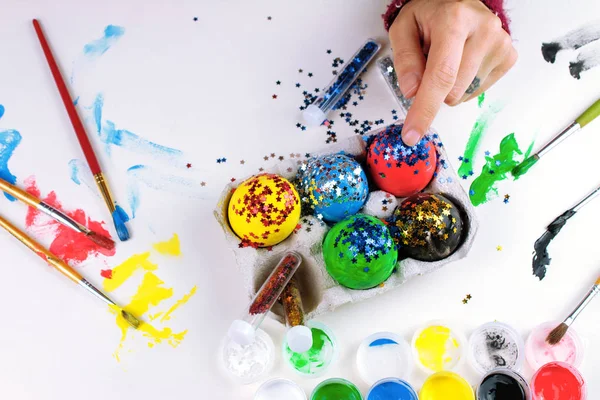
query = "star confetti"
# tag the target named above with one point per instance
(274, 96)
(499, 248)
(196, 19)
(188, 165)
(242, 162)
(278, 83)
(202, 184)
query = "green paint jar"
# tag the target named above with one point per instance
(317, 360)
(336, 389)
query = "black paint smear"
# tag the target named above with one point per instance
(541, 258)
(549, 51)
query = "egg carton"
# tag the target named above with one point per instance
(320, 292)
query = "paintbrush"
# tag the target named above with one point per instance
(588, 116)
(65, 269)
(58, 215)
(541, 258)
(560, 331)
(118, 215)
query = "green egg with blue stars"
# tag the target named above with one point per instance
(359, 252)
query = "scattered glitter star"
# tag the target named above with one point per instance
(195, 18)
(506, 196)
(297, 85)
(278, 83)
(242, 162)
(280, 158)
(499, 248)
(272, 155)
(469, 297)
(266, 158)
(465, 301)
(269, 18)
(232, 179)
(202, 183)
(274, 96)
(300, 71)
(310, 74)
(261, 169)
(328, 51)
(505, 201)
(487, 153)
(188, 165)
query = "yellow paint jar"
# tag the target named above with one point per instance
(446, 386)
(438, 347)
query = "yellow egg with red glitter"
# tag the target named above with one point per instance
(264, 210)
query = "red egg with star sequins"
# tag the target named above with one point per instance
(397, 168)
(264, 210)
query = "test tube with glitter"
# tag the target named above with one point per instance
(243, 330)
(298, 336)
(386, 67)
(316, 113)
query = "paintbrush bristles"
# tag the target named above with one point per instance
(131, 320)
(101, 241)
(557, 334)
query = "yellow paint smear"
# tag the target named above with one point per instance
(150, 293)
(179, 303)
(435, 346)
(171, 247)
(123, 272)
(446, 386)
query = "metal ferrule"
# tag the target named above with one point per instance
(90, 288)
(592, 293)
(105, 192)
(587, 199)
(62, 218)
(568, 131)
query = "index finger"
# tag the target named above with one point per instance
(440, 75)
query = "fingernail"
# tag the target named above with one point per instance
(408, 84)
(411, 137)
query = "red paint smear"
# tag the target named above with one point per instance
(71, 246)
(557, 381)
(106, 273)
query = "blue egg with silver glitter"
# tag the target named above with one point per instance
(333, 187)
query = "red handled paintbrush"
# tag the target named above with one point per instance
(119, 216)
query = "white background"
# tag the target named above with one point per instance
(206, 87)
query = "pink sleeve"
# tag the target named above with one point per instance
(496, 6)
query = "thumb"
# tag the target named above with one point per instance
(409, 60)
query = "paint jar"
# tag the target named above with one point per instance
(280, 389)
(242, 330)
(496, 345)
(438, 347)
(299, 338)
(558, 381)
(384, 355)
(446, 386)
(392, 389)
(539, 352)
(336, 389)
(503, 384)
(317, 360)
(250, 363)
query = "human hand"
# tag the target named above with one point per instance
(446, 51)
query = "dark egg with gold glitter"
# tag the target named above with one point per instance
(427, 227)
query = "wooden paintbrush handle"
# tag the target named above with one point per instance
(84, 141)
(590, 114)
(41, 251)
(19, 194)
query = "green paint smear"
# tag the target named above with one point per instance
(480, 99)
(496, 169)
(317, 358)
(337, 391)
(479, 129)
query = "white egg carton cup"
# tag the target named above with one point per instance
(320, 293)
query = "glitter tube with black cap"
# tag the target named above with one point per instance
(243, 330)
(316, 113)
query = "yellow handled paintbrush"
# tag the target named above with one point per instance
(65, 269)
(58, 215)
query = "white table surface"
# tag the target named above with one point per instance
(205, 87)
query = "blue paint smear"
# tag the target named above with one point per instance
(111, 136)
(382, 342)
(133, 192)
(9, 140)
(74, 171)
(112, 33)
(1, 110)
(76, 101)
